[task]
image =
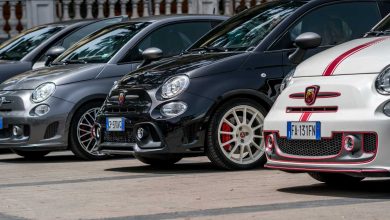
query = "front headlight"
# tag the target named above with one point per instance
(287, 80)
(43, 92)
(382, 83)
(174, 86)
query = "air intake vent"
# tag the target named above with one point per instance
(311, 109)
(51, 130)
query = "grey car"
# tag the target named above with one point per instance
(27, 50)
(54, 108)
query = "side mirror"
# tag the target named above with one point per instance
(150, 55)
(53, 53)
(304, 42)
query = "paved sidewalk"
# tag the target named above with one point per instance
(62, 187)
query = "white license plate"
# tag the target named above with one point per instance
(304, 130)
(115, 124)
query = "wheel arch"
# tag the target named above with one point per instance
(257, 96)
(77, 106)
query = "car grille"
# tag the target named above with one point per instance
(136, 101)
(311, 148)
(119, 137)
(324, 147)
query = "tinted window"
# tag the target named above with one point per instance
(102, 46)
(385, 24)
(19, 46)
(86, 30)
(171, 39)
(247, 29)
(336, 23)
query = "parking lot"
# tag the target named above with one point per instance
(61, 187)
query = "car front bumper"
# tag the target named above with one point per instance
(184, 134)
(359, 113)
(47, 132)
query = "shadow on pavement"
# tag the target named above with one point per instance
(179, 168)
(52, 159)
(5, 151)
(368, 189)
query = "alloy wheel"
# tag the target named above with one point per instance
(85, 135)
(240, 134)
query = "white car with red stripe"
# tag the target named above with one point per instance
(333, 118)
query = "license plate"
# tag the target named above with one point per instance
(115, 124)
(304, 130)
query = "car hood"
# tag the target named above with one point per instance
(62, 74)
(9, 68)
(189, 64)
(361, 56)
(9, 62)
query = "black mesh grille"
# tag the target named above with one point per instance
(6, 132)
(136, 102)
(51, 130)
(369, 141)
(119, 136)
(311, 148)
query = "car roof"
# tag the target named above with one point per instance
(157, 18)
(81, 22)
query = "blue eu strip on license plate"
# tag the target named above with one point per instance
(304, 130)
(1, 123)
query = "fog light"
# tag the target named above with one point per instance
(173, 109)
(140, 133)
(386, 109)
(269, 144)
(350, 143)
(41, 110)
(17, 131)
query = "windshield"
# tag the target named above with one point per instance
(102, 46)
(247, 29)
(18, 47)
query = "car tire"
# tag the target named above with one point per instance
(247, 133)
(82, 141)
(31, 155)
(335, 178)
(158, 161)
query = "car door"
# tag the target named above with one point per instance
(336, 23)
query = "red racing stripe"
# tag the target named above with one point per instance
(335, 63)
(305, 116)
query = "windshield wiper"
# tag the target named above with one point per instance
(209, 49)
(377, 33)
(75, 62)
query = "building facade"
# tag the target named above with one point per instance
(18, 15)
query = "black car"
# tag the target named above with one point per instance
(212, 99)
(27, 50)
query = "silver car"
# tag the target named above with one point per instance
(54, 108)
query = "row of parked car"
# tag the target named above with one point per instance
(167, 87)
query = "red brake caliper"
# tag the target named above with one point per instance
(226, 137)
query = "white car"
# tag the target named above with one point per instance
(332, 119)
